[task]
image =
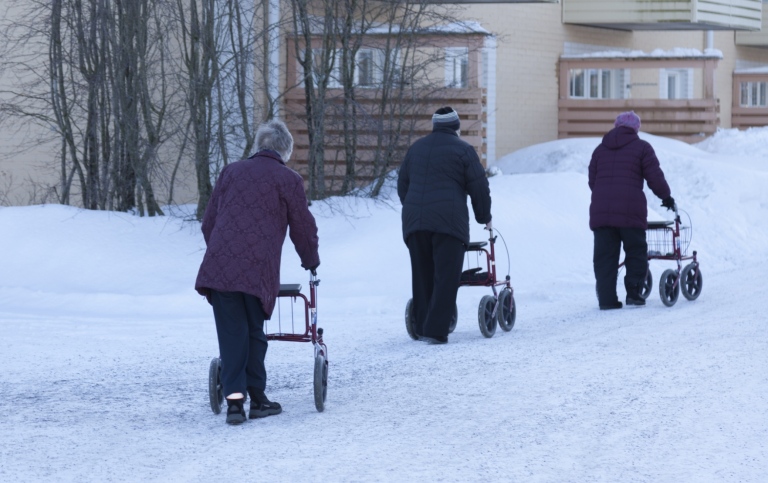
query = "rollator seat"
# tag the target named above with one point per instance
(656, 225)
(289, 289)
(476, 245)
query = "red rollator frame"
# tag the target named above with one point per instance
(669, 240)
(497, 309)
(307, 332)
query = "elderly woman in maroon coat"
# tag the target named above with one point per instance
(619, 210)
(253, 204)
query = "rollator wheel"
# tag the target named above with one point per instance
(507, 311)
(409, 320)
(691, 281)
(667, 288)
(321, 381)
(485, 319)
(454, 319)
(647, 285)
(215, 391)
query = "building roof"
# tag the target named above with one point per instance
(675, 53)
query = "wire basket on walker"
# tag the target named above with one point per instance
(669, 240)
(291, 330)
(497, 309)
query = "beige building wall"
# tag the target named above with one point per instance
(23, 167)
(23, 159)
(30, 166)
(531, 39)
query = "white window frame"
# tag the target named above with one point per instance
(374, 73)
(675, 84)
(753, 94)
(376, 67)
(377, 58)
(457, 67)
(598, 83)
(334, 82)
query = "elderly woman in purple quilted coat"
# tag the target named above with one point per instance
(619, 210)
(253, 204)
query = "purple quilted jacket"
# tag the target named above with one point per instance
(253, 204)
(617, 171)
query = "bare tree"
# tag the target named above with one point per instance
(364, 71)
(218, 40)
(127, 87)
(198, 52)
(315, 42)
(101, 87)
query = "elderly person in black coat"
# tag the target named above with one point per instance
(618, 214)
(437, 174)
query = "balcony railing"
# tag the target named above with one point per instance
(665, 15)
(689, 120)
(755, 114)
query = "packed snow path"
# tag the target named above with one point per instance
(571, 394)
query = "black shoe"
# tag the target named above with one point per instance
(235, 411)
(434, 340)
(261, 407)
(635, 301)
(614, 305)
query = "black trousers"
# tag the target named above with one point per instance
(436, 262)
(242, 342)
(608, 241)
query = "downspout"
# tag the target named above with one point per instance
(273, 77)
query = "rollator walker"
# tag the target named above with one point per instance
(669, 240)
(290, 331)
(497, 309)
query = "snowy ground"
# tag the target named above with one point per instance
(106, 346)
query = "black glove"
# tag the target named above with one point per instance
(668, 203)
(313, 270)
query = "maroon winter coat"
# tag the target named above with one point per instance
(617, 171)
(253, 203)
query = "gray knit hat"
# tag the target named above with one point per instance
(446, 117)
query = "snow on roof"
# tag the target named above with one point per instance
(453, 28)
(752, 70)
(459, 27)
(675, 53)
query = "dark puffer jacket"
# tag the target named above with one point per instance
(253, 204)
(437, 174)
(619, 166)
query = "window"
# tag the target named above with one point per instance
(676, 84)
(753, 94)
(457, 67)
(365, 68)
(369, 67)
(597, 83)
(334, 80)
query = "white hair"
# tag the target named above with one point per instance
(274, 135)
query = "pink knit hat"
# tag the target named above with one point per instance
(629, 119)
